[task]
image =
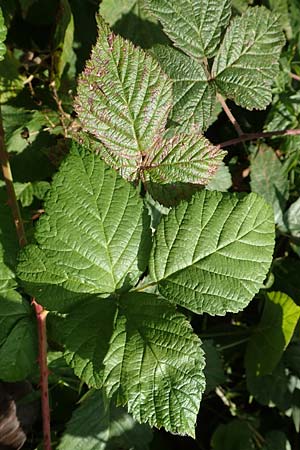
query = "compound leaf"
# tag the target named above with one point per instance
(272, 335)
(98, 425)
(247, 62)
(195, 26)
(123, 101)
(94, 237)
(213, 253)
(155, 364)
(194, 96)
(3, 32)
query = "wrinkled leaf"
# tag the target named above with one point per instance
(93, 239)
(155, 364)
(205, 255)
(194, 97)
(195, 26)
(247, 62)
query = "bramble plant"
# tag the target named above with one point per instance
(135, 235)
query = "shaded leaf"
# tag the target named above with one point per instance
(63, 53)
(221, 181)
(291, 220)
(247, 62)
(85, 333)
(155, 364)
(269, 179)
(20, 127)
(194, 26)
(276, 440)
(25, 192)
(97, 425)
(286, 272)
(272, 335)
(18, 336)
(271, 389)
(93, 239)
(112, 10)
(235, 435)
(215, 266)
(213, 371)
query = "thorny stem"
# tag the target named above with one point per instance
(254, 136)
(40, 312)
(230, 115)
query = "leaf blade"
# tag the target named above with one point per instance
(123, 105)
(194, 26)
(247, 62)
(93, 239)
(159, 375)
(215, 267)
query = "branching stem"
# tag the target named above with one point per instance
(230, 115)
(254, 136)
(40, 312)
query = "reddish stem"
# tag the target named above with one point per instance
(230, 115)
(253, 136)
(40, 312)
(41, 315)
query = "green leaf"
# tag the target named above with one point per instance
(291, 220)
(214, 371)
(85, 333)
(235, 435)
(276, 440)
(269, 179)
(155, 364)
(272, 335)
(286, 272)
(281, 9)
(3, 32)
(221, 181)
(247, 62)
(25, 192)
(124, 113)
(205, 255)
(16, 121)
(139, 26)
(194, 97)
(11, 80)
(112, 10)
(271, 389)
(9, 246)
(63, 53)
(195, 26)
(123, 101)
(93, 239)
(18, 337)
(183, 158)
(98, 425)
